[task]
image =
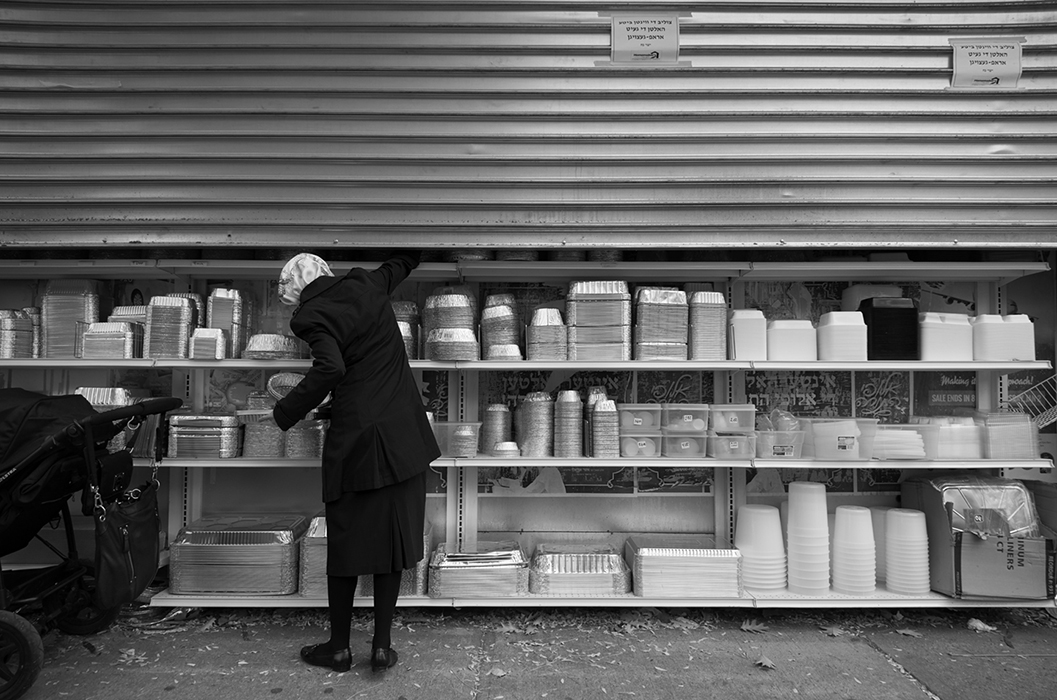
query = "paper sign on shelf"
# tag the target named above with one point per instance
(645, 39)
(986, 62)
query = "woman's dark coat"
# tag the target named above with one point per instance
(379, 433)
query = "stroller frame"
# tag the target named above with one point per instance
(62, 595)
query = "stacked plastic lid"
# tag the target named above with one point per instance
(708, 326)
(682, 566)
(500, 328)
(547, 336)
(110, 340)
(169, 324)
(662, 319)
(1010, 436)
(449, 320)
(225, 310)
(16, 334)
(64, 304)
(599, 314)
(578, 570)
(494, 569)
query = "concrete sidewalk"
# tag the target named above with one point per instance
(563, 654)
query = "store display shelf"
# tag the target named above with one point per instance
(998, 272)
(949, 464)
(88, 269)
(899, 366)
(754, 599)
(255, 463)
(560, 271)
(268, 269)
(76, 363)
(600, 462)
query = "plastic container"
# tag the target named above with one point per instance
(906, 441)
(747, 335)
(732, 446)
(639, 417)
(732, 418)
(835, 439)
(867, 434)
(684, 417)
(945, 337)
(683, 444)
(779, 444)
(891, 328)
(842, 337)
(1003, 338)
(640, 445)
(791, 340)
(457, 439)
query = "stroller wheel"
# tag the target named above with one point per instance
(80, 613)
(21, 655)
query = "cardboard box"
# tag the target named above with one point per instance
(964, 565)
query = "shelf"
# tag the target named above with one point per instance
(756, 599)
(269, 269)
(256, 463)
(88, 269)
(555, 366)
(999, 272)
(558, 271)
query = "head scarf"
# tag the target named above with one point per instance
(302, 269)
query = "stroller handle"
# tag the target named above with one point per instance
(147, 407)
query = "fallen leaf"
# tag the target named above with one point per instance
(833, 631)
(753, 626)
(910, 633)
(980, 626)
(764, 662)
(497, 672)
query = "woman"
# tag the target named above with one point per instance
(379, 444)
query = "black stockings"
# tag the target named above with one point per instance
(341, 591)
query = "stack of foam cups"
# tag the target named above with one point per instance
(808, 539)
(854, 556)
(759, 539)
(877, 514)
(906, 552)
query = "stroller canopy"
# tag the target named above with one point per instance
(28, 419)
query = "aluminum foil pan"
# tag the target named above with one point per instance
(273, 346)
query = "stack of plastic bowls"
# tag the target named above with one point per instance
(906, 552)
(808, 539)
(759, 539)
(854, 557)
(877, 514)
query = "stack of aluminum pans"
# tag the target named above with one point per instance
(262, 439)
(305, 439)
(208, 344)
(210, 435)
(129, 314)
(274, 346)
(534, 425)
(605, 429)
(244, 554)
(561, 569)
(38, 335)
(16, 334)
(407, 319)
(599, 314)
(65, 303)
(568, 424)
(106, 398)
(196, 300)
(225, 311)
(708, 326)
(169, 324)
(547, 336)
(662, 319)
(496, 426)
(494, 570)
(105, 340)
(682, 566)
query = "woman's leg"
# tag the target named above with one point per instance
(341, 591)
(386, 591)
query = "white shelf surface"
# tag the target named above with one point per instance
(752, 599)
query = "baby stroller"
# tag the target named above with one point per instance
(47, 444)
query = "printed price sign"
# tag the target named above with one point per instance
(986, 63)
(645, 39)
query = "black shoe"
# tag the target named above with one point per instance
(382, 659)
(321, 655)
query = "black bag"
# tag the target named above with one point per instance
(126, 546)
(127, 526)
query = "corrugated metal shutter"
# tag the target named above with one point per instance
(504, 124)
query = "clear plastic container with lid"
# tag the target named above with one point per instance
(732, 417)
(684, 417)
(639, 417)
(732, 445)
